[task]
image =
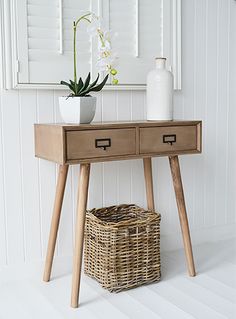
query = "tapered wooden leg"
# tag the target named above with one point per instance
(79, 232)
(179, 194)
(147, 164)
(60, 189)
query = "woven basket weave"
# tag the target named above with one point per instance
(122, 246)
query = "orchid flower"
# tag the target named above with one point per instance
(106, 57)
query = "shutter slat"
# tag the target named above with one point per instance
(42, 33)
(45, 33)
(57, 74)
(42, 11)
(42, 22)
(44, 3)
(47, 55)
(51, 44)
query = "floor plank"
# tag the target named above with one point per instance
(211, 294)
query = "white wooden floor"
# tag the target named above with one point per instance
(210, 295)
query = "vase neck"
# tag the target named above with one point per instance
(160, 63)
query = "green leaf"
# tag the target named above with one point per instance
(78, 86)
(72, 88)
(95, 82)
(84, 92)
(64, 83)
(86, 83)
(101, 85)
(71, 85)
(80, 83)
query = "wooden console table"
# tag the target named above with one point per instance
(100, 142)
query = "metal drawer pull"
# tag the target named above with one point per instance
(169, 139)
(102, 143)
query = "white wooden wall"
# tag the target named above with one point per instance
(209, 77)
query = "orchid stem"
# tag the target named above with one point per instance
(75, 24)
(75, 67)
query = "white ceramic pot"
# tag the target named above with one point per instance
(160, 92)
(77, 109)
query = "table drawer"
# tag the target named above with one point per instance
(168, 139)
(100, 143)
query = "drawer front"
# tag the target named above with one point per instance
(100, 143)
(168, 139)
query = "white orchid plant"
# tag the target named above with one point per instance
(106, 58)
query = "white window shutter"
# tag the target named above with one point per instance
(139, 27)
(39, 41)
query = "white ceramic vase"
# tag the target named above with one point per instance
(160, 92)
(77, 109)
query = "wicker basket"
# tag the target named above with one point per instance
(122, 246)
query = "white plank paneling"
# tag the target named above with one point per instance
(188, 164)
(222, 112)
(3, 224)
(110, 169)
(29, 180)
(137, 177)
(230, 134)
(199, 104)
(12, 170)
(124, 167)
(47, 170)
(95, 198)
(211, 110)
(137, 105)
(65, 234)
(75, 171)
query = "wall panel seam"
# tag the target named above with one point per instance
(217, 100)
(227, 107)
(39, 184)
(4, 184)
(22, 176)
(204, 135)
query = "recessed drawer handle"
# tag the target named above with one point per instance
(102, 143)
(169, 139)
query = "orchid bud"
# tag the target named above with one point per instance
(115, 81)
(113, 71)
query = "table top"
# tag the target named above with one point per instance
(118, 124)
